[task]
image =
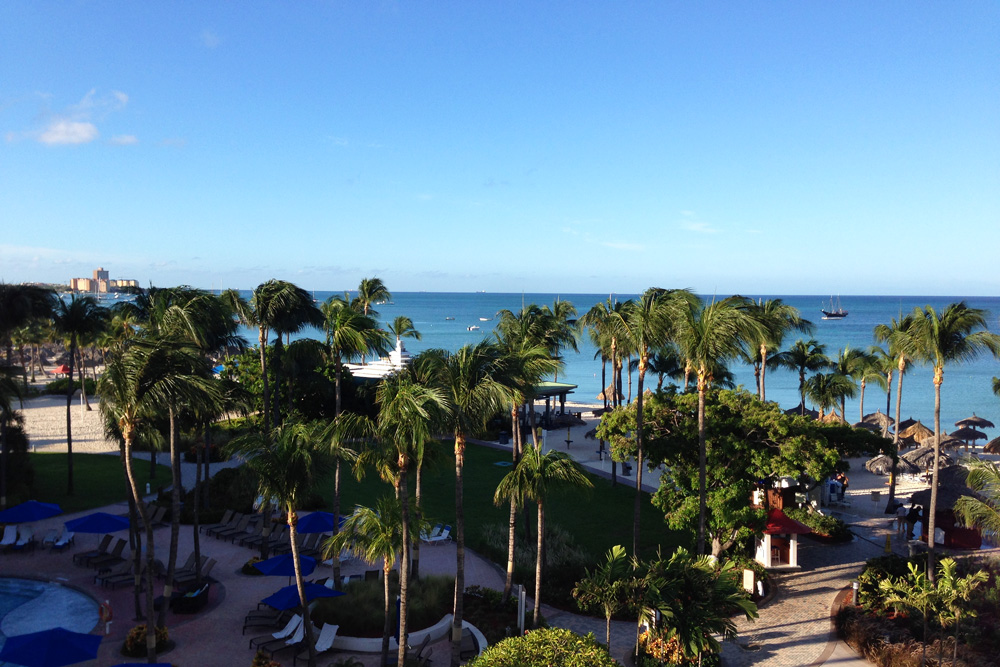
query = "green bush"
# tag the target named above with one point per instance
(60, 386)
(135, 641)
(360, 613)
(553, 647)
(823, 526)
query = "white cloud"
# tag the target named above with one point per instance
(124, 140)
(62, 132)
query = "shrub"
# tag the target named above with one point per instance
(497, 620)
(829, 527)
(554, 647)
(135, 641)
(214, 451)
(61, 386)
(360, 613)
(262, 659)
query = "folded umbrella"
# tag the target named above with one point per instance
(284, 565)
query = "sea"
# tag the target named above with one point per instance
(443, 320)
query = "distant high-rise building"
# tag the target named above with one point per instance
(100, 274)
(100, 283)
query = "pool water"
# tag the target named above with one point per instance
(28, 605)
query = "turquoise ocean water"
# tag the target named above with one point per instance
(966, 387)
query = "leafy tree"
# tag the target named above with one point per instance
(848, 365)
(402, 327)
(609, 588)
(10, 390)
(802, 356)
(956, 334)
(370, 291)
(19, 305)
(563, 328)
(349, 334)
(826, 390)
(535, 477)
(982, 513)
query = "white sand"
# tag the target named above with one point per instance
(45, 425)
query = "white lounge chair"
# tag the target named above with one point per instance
(294, 623)
(426, 537)
(323, 643)
(64, 540)
(444, 536)
(297, 638)
(9, 536)
(25, 538)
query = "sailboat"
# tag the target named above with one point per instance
(837, 313)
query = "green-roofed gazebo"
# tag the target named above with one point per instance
(550, 391)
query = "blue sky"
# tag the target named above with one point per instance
(755, 147)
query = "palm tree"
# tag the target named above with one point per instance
(402, 327)
(776, 319)
(287, 463)
(277, 305)
(407, 413)
(598, 321)
(708, 335)
(802, 356)
(334, 441)
(348, 334)
(956, 334)
(10, 390)
(897, 335)
(79, 317)
(643, 326)
(608, 587)
(370, 291)
(562, 328)
(19, 304)
(826, 390)
(374, 535)
(536, 476)
(666, 363)
(984, 512)
(470, 380)
(848, 365)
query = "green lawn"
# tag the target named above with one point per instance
(598, 518)
(98, 480)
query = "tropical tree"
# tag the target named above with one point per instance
(10, 390)
(982, 513)
(402, 327)
(19, 304)
(563, 328)
(597, 322)
(76, 318)
(805, 357)
(470, 380)
(275, 305)
(827, 390)
(957, 334)
(666, 363)
(536, 476)
(370, 291)
(349, 334)
(897, 335)
(374, 535)
(334, 441)
(609, 587)
(776, 319)
(707, 335)
(286, 463)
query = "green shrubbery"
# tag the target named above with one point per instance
(554, 647)
(61, 386)
(135, 641)
(361, 612)
(824, 526)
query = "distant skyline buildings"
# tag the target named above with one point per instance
(100, 283)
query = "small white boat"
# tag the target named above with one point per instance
(473, 328)
(448, 319)
(485, 319)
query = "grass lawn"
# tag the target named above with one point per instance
(98, 480)
(598, 518)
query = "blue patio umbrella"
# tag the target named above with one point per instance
(288, 597)
(98, 522)
(317, 522)
(50, 648)
(143, 664)
(29, 511)
(284, 565)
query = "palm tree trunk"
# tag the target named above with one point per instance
(512, 519)
(459, 602)
(69, 420)
(862, 406)
(895, 438)
(419, 516)
(335, 561)
(262, 340)
(931, 519)
(3, 460)
(888, 392)
(637, 507)
(386, 624)
(175, 515)
(702, 463)
(199, 453)
(802, 392)
(144, 516)
(83, 379)
(293, 520)
(404, 561)
(536, 619)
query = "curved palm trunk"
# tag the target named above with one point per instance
(293, 520)
(459, 602)
(763, 372)
(175, 516)
(387, 622)
(508, 583)
(144, 515)
(802, 392)
(538, 565)
(895, 439)
(419, 516)
(83, 380)
(262, 340)
(931, 519)
(336, 522)
(69, 420)
(888, 392)
(638, 460)
(862, 406)
(404, 561)
(702, 463)
(199, 453)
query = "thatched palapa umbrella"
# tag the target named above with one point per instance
(968, 434)
(923, 457)
(610, 392)
(833, 418)
(947, 442)
(992, 447)
(868, 426)
(951, 487)
(882, 465)
(916, 432)
(975, 422)
(797, 410)
(883, 421)
(906, 423)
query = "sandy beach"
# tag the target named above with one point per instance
(45, 424)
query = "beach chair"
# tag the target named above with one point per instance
(64, 540)
(234, 518)
(156, 514)
(257, 618)
(82, 557)
(426, 537)
(51, 535)
(192, 576)
(125, 579)
(290, 627)
(124, 567)
(444, 536)
(412, 655)
(226, 518)
(296, 640)
(110, 559)
(238, 529)
(25, 539)
(251, 537)
(324, 643)
(9, 537)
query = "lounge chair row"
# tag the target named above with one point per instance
(17, 538)
(438, 534)
(292, 635)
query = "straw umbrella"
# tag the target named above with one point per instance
(923, 457)
(992, 447)
(878, 418)
(947, 442)
(916, 432)
(833, 418)
(797, 410)
(906, 423)
(868, 426)
(975, 422)
(968, 434)
(951, 486)
(882, 465)
(610, 392)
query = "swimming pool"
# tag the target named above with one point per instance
(30, 605)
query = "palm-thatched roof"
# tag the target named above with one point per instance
(967, 433)
(916, 432)
(610, 392)
(992, 447)
(923, 457)
(879, 419)
(947, 442)
(882, 465)
(591, 434)
(951, 487)
(868, 426)
(833, 418)
(907, 423)
(975, 422)
(797, 410)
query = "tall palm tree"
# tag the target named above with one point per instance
(402, 327)
(955, 335)
(274, 305)
(708, 335)
(644, 325)
(805, 357)
(19, 304)
(370, 291)
(74, 319)
(374, 535)
(286, 463)
(666, 363)
(471, 381)
(897, 335)
(598, 321)
(335, 440)
(776, 319)
(536, 476)
(849, 363)
(563, 328)
(406, 416)
(826, 390)
(10, 390)
(349, 334)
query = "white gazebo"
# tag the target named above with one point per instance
(778, 548)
